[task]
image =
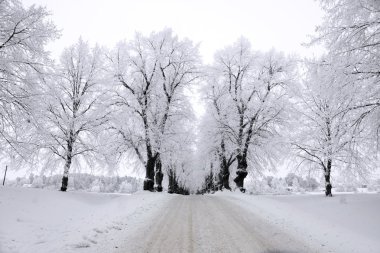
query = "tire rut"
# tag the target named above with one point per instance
(210, 224)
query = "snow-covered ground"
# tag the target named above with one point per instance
(346, 223)
(37, 220)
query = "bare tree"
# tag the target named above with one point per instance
(152, 73)
(75, 110)
(254, 93)
(213, 128)
(347, 116)
(24, 32)
(177, 155)
(350, 32)
(327, 134)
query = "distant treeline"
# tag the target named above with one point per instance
(82, 181)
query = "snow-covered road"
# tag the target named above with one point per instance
(210, 224)
(44, 221)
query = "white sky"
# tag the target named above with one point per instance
(282, 24)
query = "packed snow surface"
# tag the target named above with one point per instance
(36, 220)
(345, 223)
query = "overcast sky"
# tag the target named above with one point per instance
(282, 24)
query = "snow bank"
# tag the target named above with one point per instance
(345, 223)
(40, 220)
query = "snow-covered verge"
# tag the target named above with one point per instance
(40, 220)
(345, 223)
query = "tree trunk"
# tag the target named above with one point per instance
(241, 172)
(173, 184)
(170, 186)
(159, 176)
(149, 176)
(327, 178)
(65, 178)
(219, 185)
(210, 182)
(224, 177)
(69, 157)
(5, 174)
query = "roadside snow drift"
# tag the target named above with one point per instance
(346, 223)
(37, 220)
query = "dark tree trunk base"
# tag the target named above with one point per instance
(65, 181)
(226, 179)
(149, 177)
(328, 190)
(159, 188)
(239, 179)
(173, 184)
(327, 180)
(148, 185)
(159, 178)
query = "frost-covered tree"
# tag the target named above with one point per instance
(177, 155)
(350, 32)
(326, 132)
(74, 111)
(24, 32)
(216, 142)
(251, 89)
(342, 99)
(151, 75)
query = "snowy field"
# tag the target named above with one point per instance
(37, 220)
(345, 223)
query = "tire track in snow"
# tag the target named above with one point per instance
(210, 224)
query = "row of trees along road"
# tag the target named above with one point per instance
(247, 96)
(329, 106)
(151, 74)
(97, 107)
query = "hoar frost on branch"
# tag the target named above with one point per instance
(341, 98)
(132, 100)
(351, 33)
(248, 96)
(150, 75)
(326, 132)
(75, 111)
(24, 32)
